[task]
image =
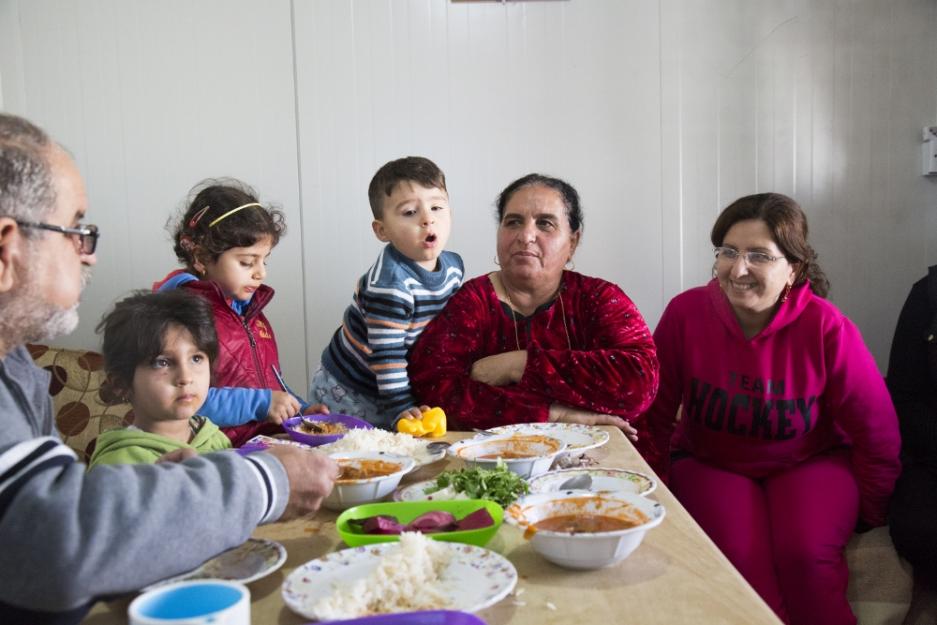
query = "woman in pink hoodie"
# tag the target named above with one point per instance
(788, 437)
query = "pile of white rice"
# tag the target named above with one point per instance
(405, 580)
(361, 439)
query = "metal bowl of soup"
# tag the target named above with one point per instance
(580, 530)
(524, 454)
(366, 476)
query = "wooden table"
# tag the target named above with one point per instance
(677, 575)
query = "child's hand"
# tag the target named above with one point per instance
(317, 409)
(413, 413)
(177, 455)
(282, 407)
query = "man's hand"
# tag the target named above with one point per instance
(282, 407)
(565, 414)
(500, 369)
(311, 475)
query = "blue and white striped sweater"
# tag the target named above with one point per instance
(393, 303)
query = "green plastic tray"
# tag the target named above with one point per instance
(406, 511)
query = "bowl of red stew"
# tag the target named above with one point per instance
(319, 429)
(524, 454)
(581, 530)
(366, 476)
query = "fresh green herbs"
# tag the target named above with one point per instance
(498, 484)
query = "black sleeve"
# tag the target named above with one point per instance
(909, 376)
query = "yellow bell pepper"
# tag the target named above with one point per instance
(431, 423)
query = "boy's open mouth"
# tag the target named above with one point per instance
(431, 238)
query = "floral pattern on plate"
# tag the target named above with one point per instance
(422, 456)
(577, 436)
(475, 578)
(603, 480)
(247, 563)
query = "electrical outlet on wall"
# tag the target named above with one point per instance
(929, 151)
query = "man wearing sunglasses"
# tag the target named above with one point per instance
(68, 536)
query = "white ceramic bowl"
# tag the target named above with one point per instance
(348, 493)
(536, 452)
(584, 550)
(603, 481)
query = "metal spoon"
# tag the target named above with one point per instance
(437, 446)
(484, 432)
(312, 425)
(578, 482)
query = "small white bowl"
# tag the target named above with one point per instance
(538, 452)
(348, 493)
(584, 550)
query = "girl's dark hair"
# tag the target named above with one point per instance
(134, 330)
(788, 225)
(210, 199)
(567, 193)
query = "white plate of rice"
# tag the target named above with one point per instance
(360, 439)
(417, 573)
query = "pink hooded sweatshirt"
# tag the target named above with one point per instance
(803, 385)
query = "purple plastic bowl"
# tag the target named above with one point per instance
(431, 617)
(291, 426)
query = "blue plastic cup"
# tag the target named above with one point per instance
(194, 602)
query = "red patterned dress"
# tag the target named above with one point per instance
(589, 349)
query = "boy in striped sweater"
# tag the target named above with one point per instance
(364, 368)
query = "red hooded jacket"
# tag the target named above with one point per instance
(247, 347)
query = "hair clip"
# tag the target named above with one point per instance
(232, 211)
(197, 217)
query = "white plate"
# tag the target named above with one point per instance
(577, 436)
(603, 480)
(247, 563)
(414, 492)
(422, 456)
(425, 457)
(475, 578)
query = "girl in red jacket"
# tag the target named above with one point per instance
(224, 239)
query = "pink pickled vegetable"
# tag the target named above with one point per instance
(436, 521)
(381, 525)
(477, 520)
(427, 523)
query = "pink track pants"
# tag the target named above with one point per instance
(784, 533)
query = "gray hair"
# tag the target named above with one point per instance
(26, 187)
